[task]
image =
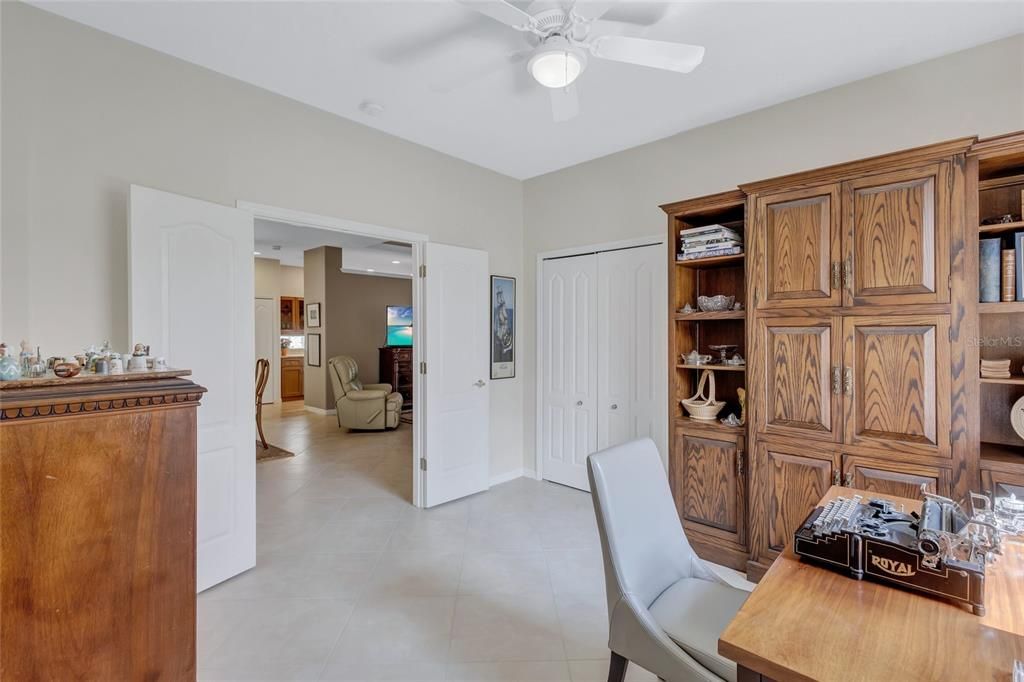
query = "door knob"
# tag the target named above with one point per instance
(579, 403)
(614, 406)
(480, 383)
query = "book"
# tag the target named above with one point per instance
(1009, 275)
(1018, 243)
(711, 234)
(989, 270)
(709, 247)
(711, 238)
(710, 254)
(706, 228)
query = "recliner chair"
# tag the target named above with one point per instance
(371, 407)
(666, 608)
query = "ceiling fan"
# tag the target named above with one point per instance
(565, 41)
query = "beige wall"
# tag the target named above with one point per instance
(85, 114)
(291, 281)
(319, 264)
(357, 317)
(978, 91)
(267, 272)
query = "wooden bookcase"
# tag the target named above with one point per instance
(707, 459)
(996, 188)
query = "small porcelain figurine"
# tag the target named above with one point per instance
(116, 364)
(138, 361)
(159, 364)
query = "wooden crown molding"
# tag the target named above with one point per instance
(53, 402)
(871, 165)
(1000, 145)
(721, 200)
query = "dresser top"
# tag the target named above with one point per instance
(88, 378)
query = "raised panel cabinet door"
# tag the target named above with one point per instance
(796, 479)
(896, 383)
(1003, 483)
(798, 368)
(896, 241)
(712, 485)
(796, 247)
(900, 479)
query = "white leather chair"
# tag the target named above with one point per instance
(666, 608)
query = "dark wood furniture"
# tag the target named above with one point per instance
(707, 463)
(863, 340)
(805, 622)
(262, 376)
(292, 377)
(396, 369)
(97, 525)
(293, 314)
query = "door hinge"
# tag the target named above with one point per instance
(836, 477)
(423, 463)
(423, 368)
(949, 282)
(423, 271)
(949, 333)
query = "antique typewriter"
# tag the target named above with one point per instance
(941, 551)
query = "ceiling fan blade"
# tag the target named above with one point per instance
(564, 103)
(499, 10)
(656, 54)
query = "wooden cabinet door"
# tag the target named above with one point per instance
(797, 365)
(795, 480)
(896, 383)
(900, 479)
(710, 485)
(796, 248)
(896, 241)
(287, 313)
(1003, 483)
(291, 379)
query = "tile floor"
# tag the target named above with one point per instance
(354, 583)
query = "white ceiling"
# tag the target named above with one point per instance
(359, 254)
(407, 55)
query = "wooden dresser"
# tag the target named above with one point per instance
(97, 527)
(396, 369)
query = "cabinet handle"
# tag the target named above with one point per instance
(848, 479)
(837, 380)
(848, 381)
(848, 273)
(836, 274)
(836, 480)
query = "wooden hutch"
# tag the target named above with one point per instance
(863, 335)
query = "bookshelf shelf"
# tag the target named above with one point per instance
(706, 317)
(1001, 227)
(714, 261)
(715, 368)
(1001, 308)
(1013, 381)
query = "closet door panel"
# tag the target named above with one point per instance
(569, 371)
(629, 344)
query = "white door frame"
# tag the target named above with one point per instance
(417, 240)
(662, 332)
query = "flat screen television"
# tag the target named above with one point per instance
(399, 327)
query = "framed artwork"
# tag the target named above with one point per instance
(313, 350)
(313, 315)
(503, 327)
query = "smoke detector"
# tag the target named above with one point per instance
(371, 108)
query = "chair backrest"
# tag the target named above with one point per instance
(344, 375)
(262, 378)
(645, 549)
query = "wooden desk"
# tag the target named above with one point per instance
(804, 622)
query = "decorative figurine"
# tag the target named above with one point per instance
(736, 359)
(160, 364)
(116, 364)
(138, 361)
(742, 395)
(731, 420)
(687, 309)
(67, 369)
(10, 369)
(737, 306)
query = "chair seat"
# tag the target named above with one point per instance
(694, 612)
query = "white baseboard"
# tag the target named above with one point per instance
(530, 473)
(506, 477)
(317, 410)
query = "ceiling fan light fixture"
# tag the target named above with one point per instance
(556, 63)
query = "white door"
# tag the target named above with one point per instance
(569, 370)
(191, 300)
(457, 345)
(629, 348)
(267, 342)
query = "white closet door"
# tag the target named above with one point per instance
(569, 383)
(629, 347)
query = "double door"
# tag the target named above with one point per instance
(874, 240)
(865, 381)
(602, 337)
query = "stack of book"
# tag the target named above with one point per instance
(709, 241)
(995, 369)
(1002, 269)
